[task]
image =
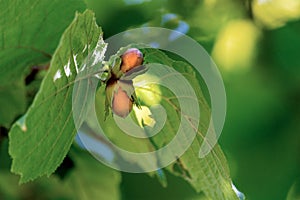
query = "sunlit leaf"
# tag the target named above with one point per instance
(209, 174)
(42, 138)
(236, 45)
(276, 13)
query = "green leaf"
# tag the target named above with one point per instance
(294, 192)
(42, 138)
(44, 188)
(209, 174)
(90, 179)
(30, 32)
(12, 102)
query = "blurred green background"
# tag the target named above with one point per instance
(256, 45)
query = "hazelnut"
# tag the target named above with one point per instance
(118, 99)
(121, 103)
(130, 59)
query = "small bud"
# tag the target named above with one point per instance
(130, 59)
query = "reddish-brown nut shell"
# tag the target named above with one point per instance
(130, 59)
(121, 103)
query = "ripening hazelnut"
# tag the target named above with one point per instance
(121, 103)
(118, 99)
(130, 59)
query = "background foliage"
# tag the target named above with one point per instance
(255, 44)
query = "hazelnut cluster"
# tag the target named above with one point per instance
(119, 93)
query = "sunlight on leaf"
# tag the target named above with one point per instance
(275, 13)
(209, 174)
(40, 148)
